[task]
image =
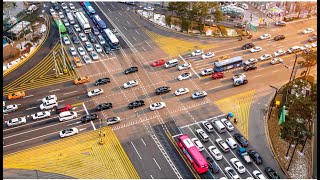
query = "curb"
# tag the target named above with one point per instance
(266, 129)
(197, 36)
(35, 50)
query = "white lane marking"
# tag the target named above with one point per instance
(257, 76)
(134, 38)
(39, 100)
(151, 176)
(112, 5)
(78, 122)
(157, 163)
(94, 127)
(60, 101)
(144, 49)
(128, 22)
(85, 108)
(103, 3)
(82, 129)
(148, 44)
(143, 142)
(215, 87)
(191, 67)
(28, 96)
(32, 138)
(109, 10)
(275, 71)
(136, 150)
(120, 14)
(137, 32)
(31, 108)
(18, 104)
(70, 92)
(54, 90)
(125, 28)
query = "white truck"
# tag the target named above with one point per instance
(239, 79)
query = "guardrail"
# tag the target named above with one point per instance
(25, 59)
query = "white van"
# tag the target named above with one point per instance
(67, 115)
(232, 143)
(171, 63)
(218, 125)
(70, 18)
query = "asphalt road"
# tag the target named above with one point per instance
(137, 129)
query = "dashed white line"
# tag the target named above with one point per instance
(151, 176)
(109, 10)
(31, 108)
(70, 92)
(103, 3)
(136, 150)
(28, 96)
(128, 22)
(60, 101)
(216, 87)
(137, 32)
(54, 90)
(275, 71)
(120, 14)
(125, 28)
(148, 44)
(144, 49)
(157, 163)
(257, 76)
(112, 5)
(143, 142)
(134, 38)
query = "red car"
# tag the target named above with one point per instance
(62, 108)
(158, 63)
(217, 75)
(81, 3)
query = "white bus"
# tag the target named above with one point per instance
(83, 21)
(111, 38)
(70, 18)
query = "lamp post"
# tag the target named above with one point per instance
(293, 68)
(63, 57)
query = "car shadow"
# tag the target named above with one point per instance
(207, 79)
(167, 95)
(215, 90)
(267, 64)
(121, 109)
(119, 74)
(186, 99)
(115, 89)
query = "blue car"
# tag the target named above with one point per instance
(212, 165)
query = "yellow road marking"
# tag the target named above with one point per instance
(78, 156)
(77, 104)
(240, 106)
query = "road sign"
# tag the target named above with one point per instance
(252, 27)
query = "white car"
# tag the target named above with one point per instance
(214, 151)
(41, 115)
(157, 105)
(280, 52)
(208, 126)
(314, 44)
(148, 8)
(197, 142)
(89, 46)
(184, 76)
(101, 39)
(52, 11)
(130, 84)
(86, 59)
(232, 143)
(207, 55)
(256, 49)
(238, 76)
(113, 120)
(206, 72)
(265, 36)
(10, 108)
(308, 31)
(50, 97)
(258, 175)
(181, 91)
(237, 165)
(48, 104)
(16, 121)
(199, 94)
(197, 52)
(204, 136)
(61, 15)
(95, 92)
(251, 61)
(66, 40)
(184, 66)
(276, 61)
(77, 28)
(244, 6)
(231, 173)
(98, 48)
(83, 37)
(68, 132)
(306, 46)
(94, 55)
(71, 6)
(228, 124)
(265, 57)
(81, 51)
(66, 22)
(64, 6)
(73, 51)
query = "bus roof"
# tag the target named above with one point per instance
(111, 36)
(100, 22)
(193, 150)
(82, 19)
(228, 61)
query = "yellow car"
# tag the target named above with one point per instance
(81, 80)
(77, 61)
(16, 95)
(223, 58)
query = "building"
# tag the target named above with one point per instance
(17, 30)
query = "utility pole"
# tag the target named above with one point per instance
(55, 64)
(63, 57)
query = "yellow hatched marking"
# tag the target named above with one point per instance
(173, 46)
(78, 156)
(239, 105)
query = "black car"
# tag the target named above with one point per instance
(162, 90)
(255, 156)
(102, 81)
(75, 39)
(89, 117)
(240, 25)
(95, 31)
(271, 173)
(131, 70)
(136, 104)
(248, 46)
(212, 165)
(279, 37)
(56, 7)
(69, 29)
(243, 142)
(249, 67)
(104, 106)
(312, 39)
(92, 38)
(107, 49)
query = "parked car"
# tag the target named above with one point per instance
(227, 124)
(198, 144)
(214, 151)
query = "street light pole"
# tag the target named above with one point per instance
(55, 63)
(64, 60)
(294, 66)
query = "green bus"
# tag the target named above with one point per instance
(60, 25)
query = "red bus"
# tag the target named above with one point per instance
(199, 163)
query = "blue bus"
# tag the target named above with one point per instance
(228, 64)
(88, 8)
(99, 22)
(111, 39)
